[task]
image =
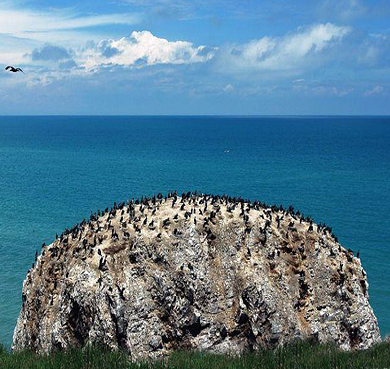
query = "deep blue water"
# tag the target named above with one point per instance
(55, 170)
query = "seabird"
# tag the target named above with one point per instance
(13, 69)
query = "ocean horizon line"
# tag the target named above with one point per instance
(204, 115)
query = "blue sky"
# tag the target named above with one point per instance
(195, 57)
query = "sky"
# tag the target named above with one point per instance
(233, 57)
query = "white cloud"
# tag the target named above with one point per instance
(340, 92)
(286, 53)
(22, 29)
(323, 89)
(379, 36)
(373, 51)
(229, 88)
(25, 22)
(377, 90)
(142, 49)
(28, 28)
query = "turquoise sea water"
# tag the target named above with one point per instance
(55, 170)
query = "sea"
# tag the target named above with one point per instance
(56, 170)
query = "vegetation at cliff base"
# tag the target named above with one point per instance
(303, 355)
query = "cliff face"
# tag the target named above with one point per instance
(194, 272)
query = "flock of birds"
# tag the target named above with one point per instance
(159, 217)
(136, 215)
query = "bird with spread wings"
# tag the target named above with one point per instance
(13, 69)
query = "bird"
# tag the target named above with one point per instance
(13, 69)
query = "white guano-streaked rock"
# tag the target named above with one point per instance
(227, 277)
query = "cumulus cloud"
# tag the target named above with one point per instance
(377, 90)
(142, 49)
(284, 53)
(23, 29)
(50, 53)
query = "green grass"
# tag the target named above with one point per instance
(298, 355)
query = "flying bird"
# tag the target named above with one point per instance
(13, 69)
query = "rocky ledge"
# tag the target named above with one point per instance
(195, 272)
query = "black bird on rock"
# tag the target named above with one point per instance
(13, 69)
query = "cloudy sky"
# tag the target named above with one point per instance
(195, 56)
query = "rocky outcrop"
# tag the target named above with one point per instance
(195, 272)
